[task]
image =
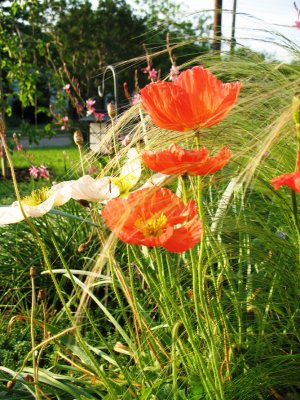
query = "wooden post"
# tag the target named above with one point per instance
(4, 168)
(217, 26)
(232, 39)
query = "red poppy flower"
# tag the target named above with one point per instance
(196, 99)
(178, 161)
(292, 179)
(154, 218)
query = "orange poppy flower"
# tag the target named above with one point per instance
(291, 179)
(196, 99)
(178, 161)
(154, 218)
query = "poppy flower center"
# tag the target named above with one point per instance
(37, 197)
(124, 183)
(152, 227)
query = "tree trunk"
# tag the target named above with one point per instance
(217, 26)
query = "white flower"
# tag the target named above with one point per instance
(36, 205)
(156, 180)
(130, 173)
(90, 189)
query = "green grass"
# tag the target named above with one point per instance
(62, 162)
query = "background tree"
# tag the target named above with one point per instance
(170, 17)
(89, 40)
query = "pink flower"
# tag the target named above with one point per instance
(43, 172)
(174, 73)
(34, 172)
(65, 120)
(19, 147)
(125, 141)
(135, 99)
(79, 108)
(67, 88)
(92, 170)
(297, 24)
(89, 105)
(147, 69)
(98, 116)
(39, 172)
(153, 74)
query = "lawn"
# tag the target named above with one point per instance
(63, 163)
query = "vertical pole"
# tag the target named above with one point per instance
(4, 168)
(232, 39)
(217, 26)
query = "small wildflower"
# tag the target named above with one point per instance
(135, 99)
(125, 141)
(66, 88)
(44, 173)
(34, 172)
(153, 74)
(65, 120)
(19, 147)
(99, 116)
(174, 73)
(90, 106)
(92, 170)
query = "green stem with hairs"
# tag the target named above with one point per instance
(32, 334)
(207, 382)
(49, 267)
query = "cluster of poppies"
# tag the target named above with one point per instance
(157, 217)
(151, 215)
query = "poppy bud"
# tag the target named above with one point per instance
(111, 110)
(78, 138)
(296, 108)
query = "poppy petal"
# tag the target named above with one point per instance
(185, 237)
(292, 180)
(212, 164)
(151, 217)
(195, 99)
(166, 105)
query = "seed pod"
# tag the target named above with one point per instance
(111, 110)
(78, 138)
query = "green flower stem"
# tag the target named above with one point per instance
(129, 297)
(175, 336)
(209, 385)
(295, 208)
(32, 334)
(199, 288)
(120, 301)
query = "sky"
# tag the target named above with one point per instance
(257, 19)
(263, 25)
